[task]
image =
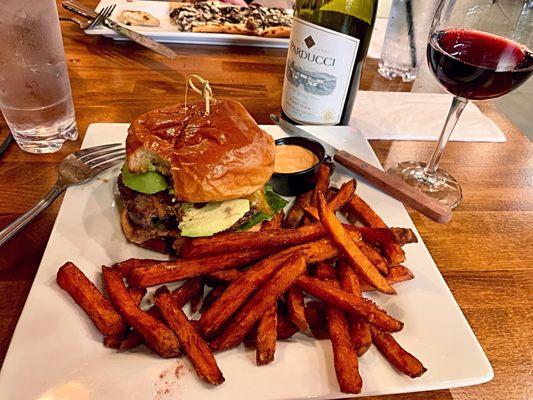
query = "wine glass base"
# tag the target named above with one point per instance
(441, 186)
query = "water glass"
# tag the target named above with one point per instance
(35, 94)
(406, 38)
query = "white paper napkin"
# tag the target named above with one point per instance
(418, 116)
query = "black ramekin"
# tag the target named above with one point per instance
(296, 183)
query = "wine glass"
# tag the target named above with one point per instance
(477, 50)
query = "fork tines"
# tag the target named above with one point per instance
(104, 14)
(100, 158)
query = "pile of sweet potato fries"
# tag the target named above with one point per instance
(305, 272)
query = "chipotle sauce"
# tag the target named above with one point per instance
(291, 158)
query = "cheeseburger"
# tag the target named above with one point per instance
(188, 174)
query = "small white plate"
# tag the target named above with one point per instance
(168, 33)
(56, 353)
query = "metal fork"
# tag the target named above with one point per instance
(76, 169)
(81, 23)
(104, 14)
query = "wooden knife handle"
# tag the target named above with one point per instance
(398, 189)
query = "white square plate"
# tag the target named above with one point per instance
(56, 353)
(166, 32)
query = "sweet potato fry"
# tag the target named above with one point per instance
(274, 223)
(337, 201)
(396, 355)
(312, 213)
(238, 291)
(239, 241)
(71, 279)
(397, 274)
(295, 307)
(394, 253)
(190, 289)
(374, 256)
(224, 276)
(181, 296)
(211, 297)
(169, 271)
(267, 336)
(344, 355)
(381, 236)
(346, 245)
(260, 302)
(315, 314)
(322, 183)
(344, 194)
(359, 328)
(357, 209)
(115, 341)
(137, 294)
(350, 303)
(132, 340)
(196, 300)
(389, 240)
(331, 193)
(296, 213)
(125, 267)
(284, 330)
(191, 342)
(157, 335)
(267, 327)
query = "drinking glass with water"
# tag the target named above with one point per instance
(35, 95)
(406, 37)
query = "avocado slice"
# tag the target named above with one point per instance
(212, 218)
(148, 182)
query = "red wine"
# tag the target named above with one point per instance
(478, 65)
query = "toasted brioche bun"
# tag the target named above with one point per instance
(218, 157)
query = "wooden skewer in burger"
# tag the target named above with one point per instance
(195, 170)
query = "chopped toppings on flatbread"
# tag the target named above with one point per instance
(217, 17)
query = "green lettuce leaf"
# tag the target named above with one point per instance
(276, 203)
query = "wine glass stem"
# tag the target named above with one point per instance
(456, 109)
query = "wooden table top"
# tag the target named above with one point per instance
(483, 253)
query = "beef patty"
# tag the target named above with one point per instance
(161, 210)
(149, 210)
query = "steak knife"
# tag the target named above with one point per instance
(390, 184)
(81, 9)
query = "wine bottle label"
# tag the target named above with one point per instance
(319, 66)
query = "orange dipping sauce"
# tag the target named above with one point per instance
(292, 158)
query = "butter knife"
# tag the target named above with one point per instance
(398, 189)
(81, 9)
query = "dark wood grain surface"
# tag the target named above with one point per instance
(484, 253)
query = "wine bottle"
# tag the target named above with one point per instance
(327, 47)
